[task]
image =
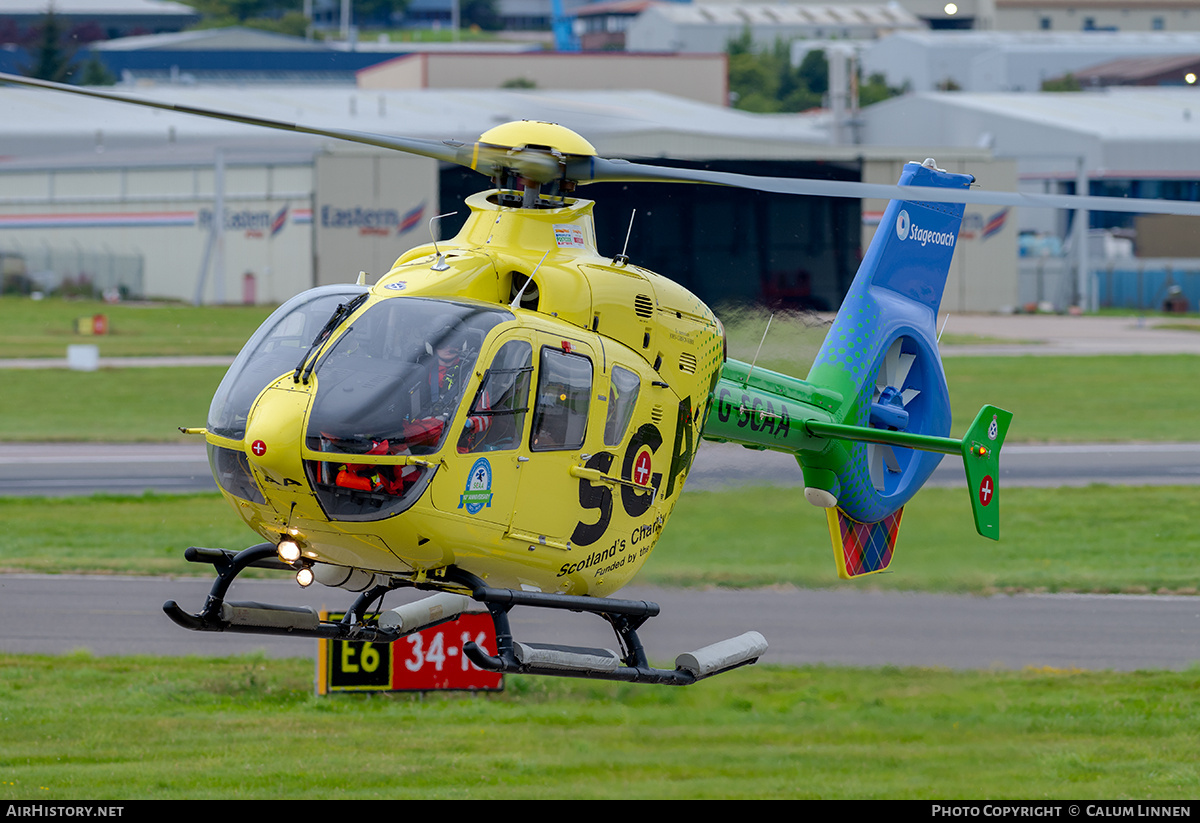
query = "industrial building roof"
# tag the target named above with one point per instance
(42, 125)
(984, 61)
(224, 39)
(889, 15)
(1119, 132)
(1139, 71)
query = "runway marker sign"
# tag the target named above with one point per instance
(428, 660)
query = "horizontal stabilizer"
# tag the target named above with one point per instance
(862, 548)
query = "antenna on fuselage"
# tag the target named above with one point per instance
(622, 258)
(516, 302)
(440, 263)
(757, 353)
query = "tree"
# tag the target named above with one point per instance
(1068, 82)
(813, 71)
(95, 73)
(481, 13)
(53, 59)
(765, 81)
(875, 89)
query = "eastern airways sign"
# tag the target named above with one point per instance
(371, 220)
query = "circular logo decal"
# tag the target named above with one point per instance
(902, 224)
(259, 448)
(399, 285)
(478, 492)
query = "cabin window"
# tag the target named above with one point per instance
(496, 418)
(564, 389)
(622, 397)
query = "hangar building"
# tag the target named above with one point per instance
(1119, 141)
(124, 198)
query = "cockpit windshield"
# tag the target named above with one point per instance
(393, 381)
(274, 349)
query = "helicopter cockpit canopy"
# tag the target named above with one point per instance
(396, 376)
(388, 385)
(277, 347)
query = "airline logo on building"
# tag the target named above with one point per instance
(254, 222)
(371, 221)
(974, 225)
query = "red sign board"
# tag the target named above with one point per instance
(428, 660)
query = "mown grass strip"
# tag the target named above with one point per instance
(44, 328)
(1096, 539)
(127, 728)
(1054, 399)
(109, 405)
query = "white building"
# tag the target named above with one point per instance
(984, 61)
(708, 27)
(1121, 141)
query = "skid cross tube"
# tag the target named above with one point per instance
(625, 617)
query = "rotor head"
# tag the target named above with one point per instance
(531, 149)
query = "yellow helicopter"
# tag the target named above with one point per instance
(509, 417)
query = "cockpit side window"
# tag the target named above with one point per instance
(564, 389)
(496, 418)
(622, 397)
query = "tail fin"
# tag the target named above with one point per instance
(981, 458)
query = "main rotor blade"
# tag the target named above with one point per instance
(481, 157)
(447, 151)
(543, 167)
(598, 170)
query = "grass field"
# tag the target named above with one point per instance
(77, 727)
(1098, 539)
(44, 328)
(1055, 399)
(128, 728)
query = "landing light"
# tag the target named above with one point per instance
(1189, 78)
(288, 550)
(950, 8)
(304, 577)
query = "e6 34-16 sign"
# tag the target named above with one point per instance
(427, 660)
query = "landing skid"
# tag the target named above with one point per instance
(457, 589)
